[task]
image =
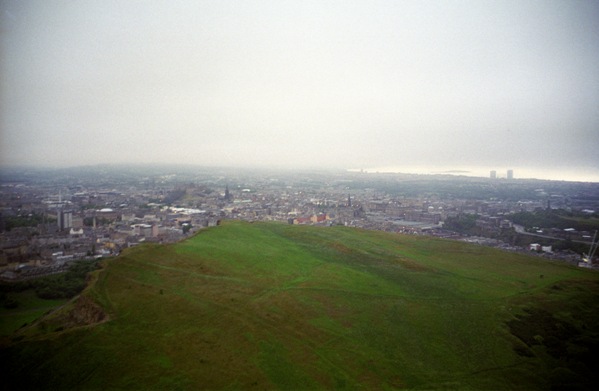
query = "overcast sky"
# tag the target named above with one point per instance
(343, 84)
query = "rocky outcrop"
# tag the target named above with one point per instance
(85, 312)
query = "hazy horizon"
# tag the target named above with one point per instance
(477, 172)
(402, 85)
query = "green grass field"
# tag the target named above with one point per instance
(29, 309)
(265, 305)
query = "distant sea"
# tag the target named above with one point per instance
(555, 174)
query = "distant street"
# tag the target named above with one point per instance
(520, 229)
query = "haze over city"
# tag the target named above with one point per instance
(377, 85)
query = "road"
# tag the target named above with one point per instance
(520, 229)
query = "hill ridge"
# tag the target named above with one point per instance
(267, 305)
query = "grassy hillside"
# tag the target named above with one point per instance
(30, 307)
(261, 306)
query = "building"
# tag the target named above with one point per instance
(510, 174)
(64, 219)
(535, 247)
(319, 218)
(145, 230)
(107, 213)
(493, 174)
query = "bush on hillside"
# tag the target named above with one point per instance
(65, 285)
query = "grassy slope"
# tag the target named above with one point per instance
(29, 309)
(270, 305)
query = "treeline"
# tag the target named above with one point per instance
(65, 285)
(466, 224)
(58, 286)
(556, 218)
(29, 220)
(462, 223)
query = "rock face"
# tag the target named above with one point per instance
(86, 312)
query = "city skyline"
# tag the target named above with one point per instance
(399, 86)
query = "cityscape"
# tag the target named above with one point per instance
(298, 195)
(51, 218)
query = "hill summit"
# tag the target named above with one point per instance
(274, 306)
